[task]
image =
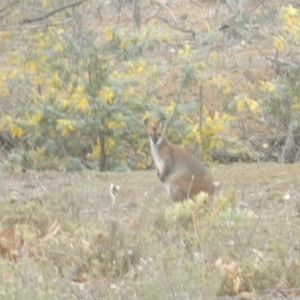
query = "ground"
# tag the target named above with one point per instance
(253, 182)
(251, 238)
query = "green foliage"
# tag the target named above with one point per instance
(74, 165)
(13, 162)
(95, 98)
(281, 101)
(183, 211)
(280, 96)
(85, 93)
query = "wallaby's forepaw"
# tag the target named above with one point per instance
(161, 176)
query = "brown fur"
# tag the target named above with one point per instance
(11, 243)
(183, 174)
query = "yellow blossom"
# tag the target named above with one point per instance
(208, 27)
(82, 104)
(16, 130)
(141, 166)
(109, 33)
(97, 150)
(170, 108)
(267, 86)
(223, 83)
(35, 119)
(6, 34)
(106, 95)
(291, 18)
(58, 47)
(213, 56)
(227, 87)
(240, 106)
(279, 43)
(109, 146)
(186, 51)
(244, 101)
(135, 67)
(114, 125)
(14, 73)
(193, 136)
(65, 126)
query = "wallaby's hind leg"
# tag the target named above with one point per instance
(181, 187)
(176, 193)
(175, 190)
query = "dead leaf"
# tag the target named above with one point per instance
(237, 285)
(52, 231)
(248, 295)
(11, 242)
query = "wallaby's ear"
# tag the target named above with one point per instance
(162, 123)
(146, 122)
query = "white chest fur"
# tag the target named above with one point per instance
(157, 158)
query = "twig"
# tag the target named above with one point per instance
(191, 183)
(26, 21)
(178, 28)
(274, 60)
(154, 15)
(52, 231)
(166, 6)
(200, 116)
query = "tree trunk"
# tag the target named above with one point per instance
(200, 118)
(102, 159)
(289, 148)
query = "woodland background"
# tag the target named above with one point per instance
(77, 79)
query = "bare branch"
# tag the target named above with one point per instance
(154, 15)
(49, 14)
(165, 6)
(172, 14)
(192, 32)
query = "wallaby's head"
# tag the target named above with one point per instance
(156, 132)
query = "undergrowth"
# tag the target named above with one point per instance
(162, 250)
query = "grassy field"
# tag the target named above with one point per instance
(78, 246)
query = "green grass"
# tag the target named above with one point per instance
(147, 247)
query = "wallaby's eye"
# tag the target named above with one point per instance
(159, 135)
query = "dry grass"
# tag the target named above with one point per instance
(77, 245)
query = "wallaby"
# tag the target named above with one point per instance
(182, 173)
